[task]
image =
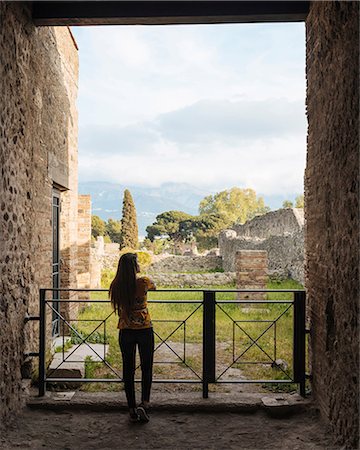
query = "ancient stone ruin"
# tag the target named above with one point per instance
(280, 233)
(38, 141)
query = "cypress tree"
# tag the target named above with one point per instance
(129, 228)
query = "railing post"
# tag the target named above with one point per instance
(299, 340)
(208, 341)
(42, 344)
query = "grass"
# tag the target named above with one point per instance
(230, 318)
(63, 348)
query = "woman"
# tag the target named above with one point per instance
(128, 294)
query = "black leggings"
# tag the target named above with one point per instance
(145, 340)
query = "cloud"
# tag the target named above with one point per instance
(214, 106)
(98, 140)
(212, 144)
(242, 120)
(271, 167)
(220, 121)
(132, 74)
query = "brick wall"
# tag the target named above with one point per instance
(38, 134)
(251, 273)
(332, 211)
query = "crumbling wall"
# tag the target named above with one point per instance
(279, 233)
(187, 264)
(102, 256)
(38, 134)
(332, 211)
(193, 280)
(274, 223)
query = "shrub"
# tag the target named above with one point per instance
(96, 337)
(107, 275)
(144, 259)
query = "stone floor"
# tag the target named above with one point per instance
(182, 421)
(71, 363)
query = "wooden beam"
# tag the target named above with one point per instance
(166, 12)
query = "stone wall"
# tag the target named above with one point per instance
(111, 255)
(103, 256)
(332, 211)
(274, 223)
(193, 280)
(83, 241)
(174, 271)
(165, 270)
(96, 261)
(285, 250)
(38, 134)
(186, 264)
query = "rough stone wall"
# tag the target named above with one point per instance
(95, 270)
(67, 159)
(251, 273)
(37, 137)
(83, 244)
(102, 256)
(96, 261)
(285, 251)
(111, 256)
(186, 264)
(332, 211)
(274, 223)
(193, 280)
(165, 271)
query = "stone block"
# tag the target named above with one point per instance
(251, 273)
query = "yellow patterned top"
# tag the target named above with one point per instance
(139, 316)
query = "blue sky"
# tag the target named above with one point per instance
(215, 106)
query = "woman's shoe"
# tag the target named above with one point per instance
(134, 417)
(143, 414)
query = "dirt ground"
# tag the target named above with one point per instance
(43, 429)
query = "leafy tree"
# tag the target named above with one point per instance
(113, 230)
(204, 228)
(129, 228)
(168, 223)
(107, 239)
(299, 201)
(157, 246)
(287, 204)
(97, 226)
(235, 205)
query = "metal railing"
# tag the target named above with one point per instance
(209, 305)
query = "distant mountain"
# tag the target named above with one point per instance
(107, 199)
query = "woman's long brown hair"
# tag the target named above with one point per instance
(123, 287)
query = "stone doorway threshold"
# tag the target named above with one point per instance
(276, 405)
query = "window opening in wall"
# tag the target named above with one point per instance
(55, 260)
(205, 127)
